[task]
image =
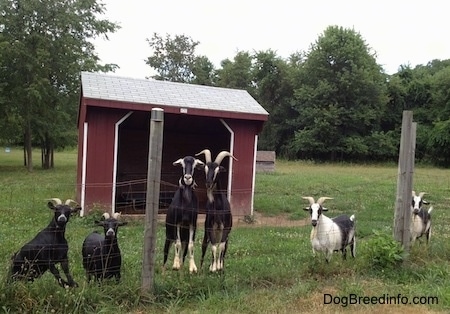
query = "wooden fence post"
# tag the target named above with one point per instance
(402, 217)
(152, 198)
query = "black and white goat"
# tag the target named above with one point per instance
(218, 221)
(330, 234)
(420, 217)
(48, 248)
(181, 217)
(101, 254)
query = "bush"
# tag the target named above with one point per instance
(383, 252)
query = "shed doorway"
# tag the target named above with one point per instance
(183, 135)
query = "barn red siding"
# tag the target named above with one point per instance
(242, 176)
(100, 156)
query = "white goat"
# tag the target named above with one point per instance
(330, 234)
(420, 217)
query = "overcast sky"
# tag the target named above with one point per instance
(399, 31)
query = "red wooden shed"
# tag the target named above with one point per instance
(114, 125)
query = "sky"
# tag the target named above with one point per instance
(399, 32)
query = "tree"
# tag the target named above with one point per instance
(44, 45)
(204, 72)
(340, 97)
(272, 77)
(237, 73)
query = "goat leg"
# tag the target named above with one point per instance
(65, 267)
(204, 247)
(192, 266)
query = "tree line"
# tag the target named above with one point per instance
(333, 102)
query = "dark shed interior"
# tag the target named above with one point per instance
(181, 137)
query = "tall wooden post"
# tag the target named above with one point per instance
(152, 200)
(402, 219)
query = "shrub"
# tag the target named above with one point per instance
(383, 252)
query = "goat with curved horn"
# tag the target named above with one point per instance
(219, 220)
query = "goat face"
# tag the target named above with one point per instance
(417, 202)
(315, 209)
(189, 164)
(110, 226)
(213, 168)
(62, 212)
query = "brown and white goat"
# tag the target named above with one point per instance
(330, 234)
(218, 220)
(420, 217)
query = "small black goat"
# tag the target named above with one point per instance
(181, 217)
(48, 248)
(218, 221)
(101, 254)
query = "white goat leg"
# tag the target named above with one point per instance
(176, 260)
(213, 266)
(192, 266)
(221, 252)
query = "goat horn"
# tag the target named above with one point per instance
(106, 215)
(421, 194)
(310, 199)
(56, 201)
(116, 216)
(222, 155)
(70, 201)
(207, 153)
(413, 193)
(323, 199)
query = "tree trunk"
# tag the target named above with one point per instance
(28, 148)
(47, 153)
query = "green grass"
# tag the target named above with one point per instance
(269, 269)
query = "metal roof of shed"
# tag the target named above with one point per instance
(148, 91)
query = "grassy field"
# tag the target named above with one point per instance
(269, 267)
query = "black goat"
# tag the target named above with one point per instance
(218, 221)
(48, 248)
(181, 217)
(101, 254)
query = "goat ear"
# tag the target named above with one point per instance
(178, 162)
(76, 209)
(324, 209)
(123, 223)
(200, 166)
(51, 206)
(306, 208)
(222, 169)
(425, 202)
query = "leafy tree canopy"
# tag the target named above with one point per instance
(43, 46)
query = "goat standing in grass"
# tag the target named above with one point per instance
(330, 234)
(420, 217)
(181, 217)
(218, 221)
(48, 248)
(101, 254)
